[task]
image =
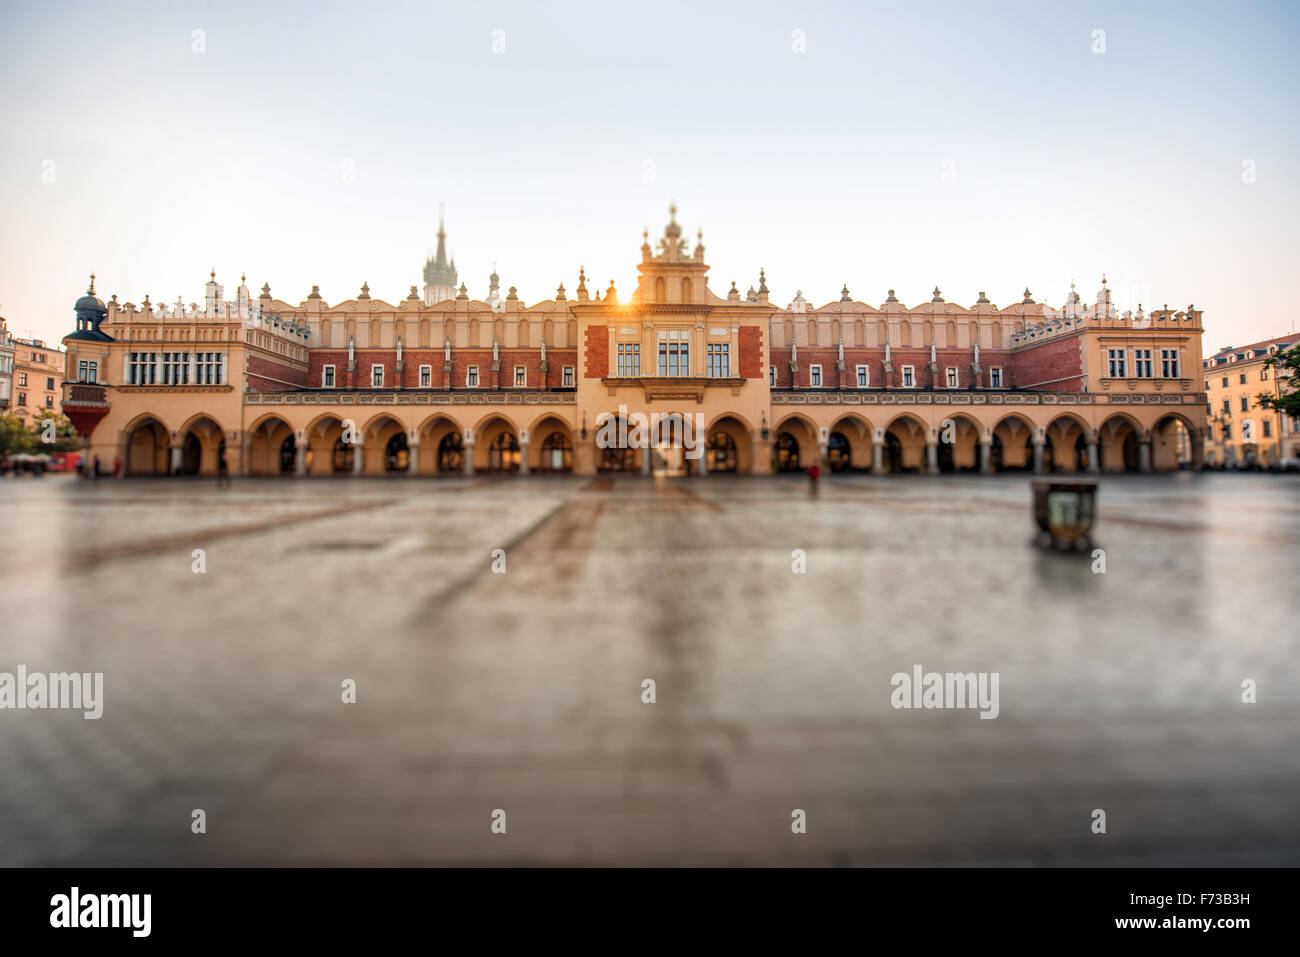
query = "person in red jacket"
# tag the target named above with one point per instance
(814, 473)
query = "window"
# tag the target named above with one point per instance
(22, 398)
(814, 375)
(49, 383)
(953, 380)
(521, 376)
(862, 377)
(771, 376)
(1142, 363)
(426, 376)
(909, 377)
(376, 376)
(1225, 381)
(995, 377)
(1243, 379)
(566, 378)
(1227, 431)
(38, 356)
(207, 368)
(87, 370)
(1169, 363)
(176, 368)
(471, 377)
(629, 359)
(1227, 407)
(1268, 428)
(1263, 375)
(141, 368)
(719, 360)
(22, 378)
(1245, 404)
(327, 377)
(49, 404)
(1115, 367)
(675, 358)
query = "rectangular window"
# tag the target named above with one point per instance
(1243, 379)
(566, 378)
(376, 376)
(1169, 363)
(1142, 363)
(909, 377)
(22, 378)
(22, 398)
(1227, 431)
(719, 360)
(426, 377)
(327, 377)
(995, 377)
(629, 359)
(49, 382)
(771, 376)
(675, 358)
(1263, 375)
(38, 356)
(49, 404)
(1245, 404)
(862, 377)
(814, 375)
(176, 368)
(207, 368)
(142, 368)
(521, 376)
(471, 377)
(953, 380)
(1225, 381)
(1268, 428)
(1227, 407)
(1116, 366)
(87, 370)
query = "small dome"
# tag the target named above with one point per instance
(90, 302)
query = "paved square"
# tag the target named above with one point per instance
(523, 691)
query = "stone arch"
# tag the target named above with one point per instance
(323, 436)
(795, 444)
(904, 450)
(266, 438)
(1012, 443)
(202, 442)
(434, 457)
(496, 444)
(1118, 439)
(1175, 442)
(729, 445)
(1067, 436)
(145, 447)
(962, 453)
(857, 433)
(379, 431)
(614, 458)
(550, 445)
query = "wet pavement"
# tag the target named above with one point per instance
(522, 690)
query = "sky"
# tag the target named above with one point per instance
(976, 146)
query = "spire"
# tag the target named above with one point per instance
(441, 257)
(91, 290)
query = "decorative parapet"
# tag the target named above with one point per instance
(411, 398)
(904, 397)
(1047, 330)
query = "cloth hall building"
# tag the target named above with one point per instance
(439, 384)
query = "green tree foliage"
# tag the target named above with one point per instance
(15, 437)
(1286, 372)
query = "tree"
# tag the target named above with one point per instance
(1286, 373)
(65, 434)
(15, 436)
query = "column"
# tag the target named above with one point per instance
(1094, 460)
(469, 452)
(931, 458)
(986, 456)
(1038, 454)
(646, 455)
(412, 453)
(300, 455)
(358, 458)
(176, 461)
(702, 463)
(762, 454)
(1144, 454)
(524, 442)
(877, 457)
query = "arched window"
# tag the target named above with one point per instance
(396, 454)
(451, 453)
(503, 453)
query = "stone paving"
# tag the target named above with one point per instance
(522, 691)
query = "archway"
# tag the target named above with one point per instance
(721, 453)
(907, 452)
(849, 444)
(266, 444)
(1174, 444)
(146, 449)
(503, 453)
(1118, 445)
(397, 455)
(341, 457)
(441, 447)
(785, 453)
(958, 447)
(288, 455)
(202, 444)
(729, 447)
(1013, 442)
(451, 453)
(1067, 440)
(556, 452)
(327, 453)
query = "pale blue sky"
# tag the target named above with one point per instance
(825, 167)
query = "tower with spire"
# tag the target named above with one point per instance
(439, 272)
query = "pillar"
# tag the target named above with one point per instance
(1038, 454)
(300, 455)
(524, 442)
(175, 468)
(1094, 459)
(646, 455)
(469, 454)
(412, 457)
(762, 457)
(931, 458)
(986, 456)
(358, 458)
(702, 463)
(1144, 454)
(877, 458)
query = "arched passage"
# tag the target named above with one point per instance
(794, 445)
(146, 449)
(496, 445)
(1118, 440)
(1013, 448)
(729, 448)
(849, 445)
(202, 443)
(904, 445)
(271, 447)
(958, 448)
(1175, 444)
(386, 449)
(550, 446)
(1067, 436)
(327, 453)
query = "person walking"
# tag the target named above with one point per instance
(223, 470)
(814, 473)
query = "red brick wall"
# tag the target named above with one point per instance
(461, 360)
(751, 353)
(597, 352)
(1042, 364)
(263, 372)
(874, 360)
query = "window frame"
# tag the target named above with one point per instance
(329, 376)
(815, 380)
(907, 376)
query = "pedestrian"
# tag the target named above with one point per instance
(95, 473)
(814, 473)
(223, 469)
(117, 466)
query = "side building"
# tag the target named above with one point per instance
(1242, 433)
(437, 384)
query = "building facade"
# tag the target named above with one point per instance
(35, 378)
(1242, 433)
(6, 369)
(435, 385)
